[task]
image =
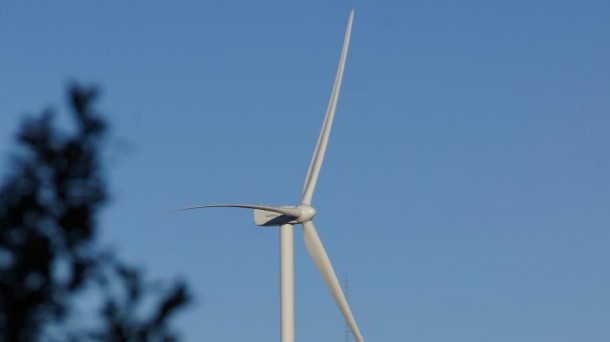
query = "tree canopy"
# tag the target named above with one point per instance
(50, 259)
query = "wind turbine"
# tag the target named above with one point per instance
(288, 216)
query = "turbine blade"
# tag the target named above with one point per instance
(292, 212)
(318, 156)
(320, 258)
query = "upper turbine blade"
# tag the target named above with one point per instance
(318, 156)
(320, 258)
(292, 212)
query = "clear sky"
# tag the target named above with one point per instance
(466, 187)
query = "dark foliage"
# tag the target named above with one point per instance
(49, 257)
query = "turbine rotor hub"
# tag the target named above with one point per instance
(307, 213)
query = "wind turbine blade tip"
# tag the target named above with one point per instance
(187, 208)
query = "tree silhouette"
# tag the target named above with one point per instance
(49, 256)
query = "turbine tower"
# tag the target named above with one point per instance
(288, 216)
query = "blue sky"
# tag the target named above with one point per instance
(466, 187)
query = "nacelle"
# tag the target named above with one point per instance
(268, 218)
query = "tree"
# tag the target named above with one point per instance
(49, 255)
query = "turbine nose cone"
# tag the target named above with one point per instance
(307, 213)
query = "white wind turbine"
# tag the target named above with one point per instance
(287, 216)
